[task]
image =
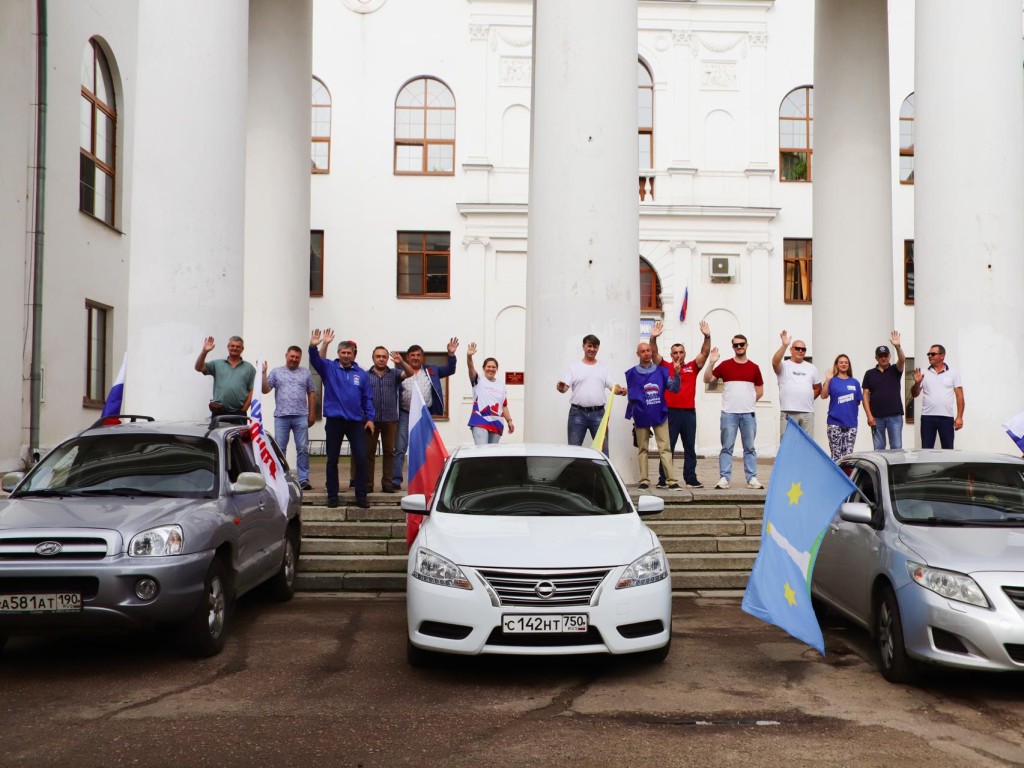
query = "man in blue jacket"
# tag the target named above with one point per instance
(348, 409)
(646, 385)
(428, 379)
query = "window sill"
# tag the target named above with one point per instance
(101, 222)
(94, 405)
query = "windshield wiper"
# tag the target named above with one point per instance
(122, 491)
(46, 493)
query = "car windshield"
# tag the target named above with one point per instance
(127, 465)
(958, 493)
(532, 485)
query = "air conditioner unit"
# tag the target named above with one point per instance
(722, 267)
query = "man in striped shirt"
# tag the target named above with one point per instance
(386, 384)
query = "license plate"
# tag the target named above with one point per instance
(545, 622)
(53, 602)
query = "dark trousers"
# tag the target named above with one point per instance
(937, 425)
(384, 432)
(337, 430)
(682, 422)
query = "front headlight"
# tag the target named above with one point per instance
(949, 584)
(157, 542)
(646, 569)
(434, 569)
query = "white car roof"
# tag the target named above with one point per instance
(935, 456)
(527, 449)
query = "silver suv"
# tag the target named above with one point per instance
(142, 523)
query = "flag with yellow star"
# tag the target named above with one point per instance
(805, 490)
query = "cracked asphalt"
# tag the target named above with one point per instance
(323, 681)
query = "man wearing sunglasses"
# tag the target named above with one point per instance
(743, 388)
(799, 384)
(883, 396)
(942, 407)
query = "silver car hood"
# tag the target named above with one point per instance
(967, 549)
(127, 515)
(537, 542)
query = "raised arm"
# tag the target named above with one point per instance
(705, 346)
(901, 359)
(777, 357)
(401, 364)
(656, 331)
(266, 384)
(471, 369)
(709, 375)
(208, 346)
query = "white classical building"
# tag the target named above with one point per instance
(196, 203)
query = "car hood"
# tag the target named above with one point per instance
(111, 513)
(967, 549)
(537, 542)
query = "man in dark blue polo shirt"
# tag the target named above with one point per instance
(883, 398)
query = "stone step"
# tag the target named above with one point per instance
(709, 580)
(704, 544)
(355, 529)
(380, 513)
(350, 582)
(318, 563)
(711, 561)
(735, 527)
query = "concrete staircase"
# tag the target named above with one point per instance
(711, 538)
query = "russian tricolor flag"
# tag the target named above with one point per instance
(115, 396)
(427, 456)
(1015, 429)
(683, 308)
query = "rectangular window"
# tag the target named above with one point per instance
(908, 271)
(423, 263)
(96, 354)
(797, 265)
(908, 385)
(316, 262)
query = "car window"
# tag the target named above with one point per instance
(531, 485)
(240, 457)
(127, 464)
(958, 492)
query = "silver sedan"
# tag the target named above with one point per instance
(929, 556)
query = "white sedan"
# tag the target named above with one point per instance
(535, 550)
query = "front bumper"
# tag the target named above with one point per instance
(469, 622)
(108, 594)
(956, 634)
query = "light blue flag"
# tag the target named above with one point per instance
(805, 490)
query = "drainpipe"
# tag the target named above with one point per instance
(38, 219)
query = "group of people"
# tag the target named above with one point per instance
(371, 407)
(366, 407)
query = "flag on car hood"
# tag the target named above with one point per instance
(427, 455)
(266, 456)
(112, 407)
(803, 494)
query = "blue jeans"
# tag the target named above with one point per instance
(583, 421)
(682, 422)
(887, 425)
(746, 424)
(401, 446)
(483, 436)
(937, 425)
(283, 426)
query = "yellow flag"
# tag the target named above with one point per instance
(602, 431)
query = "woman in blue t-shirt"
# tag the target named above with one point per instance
(844, 395)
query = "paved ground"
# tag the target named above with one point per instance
(322, 681)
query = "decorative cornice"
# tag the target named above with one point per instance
(479, 32)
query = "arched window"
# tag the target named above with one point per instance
(321, 128)
(796, 134)
(645, 114)
(650, 287)
(907, 141)
(98, 131)
(425, 128)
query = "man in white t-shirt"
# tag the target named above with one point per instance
(589, 381)
(942, 407)
(799, 384)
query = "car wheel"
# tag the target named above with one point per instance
(895, 665)
(202, 634)
(419, 657)
(281, 586)
(656, 656)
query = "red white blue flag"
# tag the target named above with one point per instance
(266, 457)
(686, 301)
(1015, 429)
(112, 407)
(427, 456)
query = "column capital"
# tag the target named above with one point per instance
(479, 31)
(756, 246)
(690, 245)
(470, 240)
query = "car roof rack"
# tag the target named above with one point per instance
(229, 420)
(120, 418)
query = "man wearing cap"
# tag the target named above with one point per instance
(799, 384)
(883, 400)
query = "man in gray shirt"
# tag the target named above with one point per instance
(294, 407)
(233, 378)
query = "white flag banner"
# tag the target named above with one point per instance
(271, 468)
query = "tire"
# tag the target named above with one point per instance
(281, 586)
(202, 634)
(419, 658)
(655, 656)
(894, 664)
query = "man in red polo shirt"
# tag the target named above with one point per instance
(682, 406)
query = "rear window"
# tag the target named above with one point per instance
(532, 485)
(967, 493)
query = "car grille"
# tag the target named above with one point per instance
(1016, 594)
(544, 639)
(27, 548)
(87, 586)
(567, 587)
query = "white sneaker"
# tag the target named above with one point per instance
(754, 483)
(722, 483)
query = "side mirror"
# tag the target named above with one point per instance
(650, 505)
(11, 480)
(856, 512)
(249, 482)
(415, 503)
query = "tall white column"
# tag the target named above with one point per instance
(582, 274)
(188, 199)
(852, 309)
(969, 198)
(277, 181)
